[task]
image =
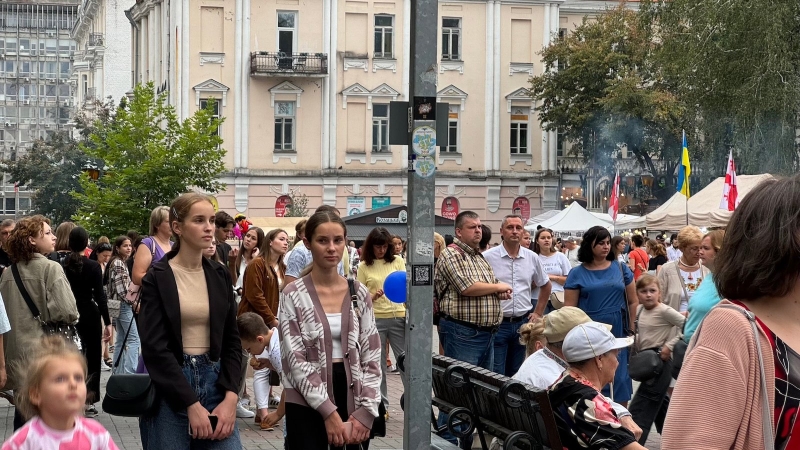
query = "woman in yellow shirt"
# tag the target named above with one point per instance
(377, 262)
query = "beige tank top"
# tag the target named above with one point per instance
(195, 315)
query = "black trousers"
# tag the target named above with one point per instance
(305, 428)
(90, 330)
(650, 402)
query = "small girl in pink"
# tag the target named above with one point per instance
(52, 394)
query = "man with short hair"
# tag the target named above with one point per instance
(223, 224)
(6, 227)
(469, 301)
(638, 260)
(523, 271)
(673, 252)
(571, 250)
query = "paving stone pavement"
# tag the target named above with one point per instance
(125, 431)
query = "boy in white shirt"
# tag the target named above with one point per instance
(264, 347)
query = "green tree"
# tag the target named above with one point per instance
(51, 170)
(299, 205)
(737, 63)
(603, 90)
(149, 157)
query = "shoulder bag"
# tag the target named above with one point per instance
(134, 290)
(64, 330)
(626, 319)
(129, 394)
(645, 363)
(379, 424)
(766, 413)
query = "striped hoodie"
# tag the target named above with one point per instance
(306, 344)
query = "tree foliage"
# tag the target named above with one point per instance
(51, 171)
(603, 89)
(298, 206)
(149, 157)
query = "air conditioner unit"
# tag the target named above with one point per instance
(51, 80)
(8, 124)
(27, 102)
(47, 125)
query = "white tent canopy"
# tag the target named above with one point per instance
(573, 219)
(624, 221)
(703, 206)
(536, 220)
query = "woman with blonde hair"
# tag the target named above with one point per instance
(153, 247)
(680, 279)
(707, 295)
(658, 256)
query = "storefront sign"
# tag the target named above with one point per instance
(450, 208)
(381, 202)
(402, 217)
(356, 205)
(522, 207)
(281, 205)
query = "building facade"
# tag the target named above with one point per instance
(305, 86)
(102, 61)
(36, 53)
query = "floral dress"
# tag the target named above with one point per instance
(585, 418)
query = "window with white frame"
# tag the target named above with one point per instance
(215, 105)
(284, 126)
(519, 131)
(384, 36)
(452, 130)
(380, 128)
(451, 39)
(287, 32)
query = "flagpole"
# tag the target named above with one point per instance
(685, 178)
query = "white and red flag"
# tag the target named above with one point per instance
(613, 201)
(730, 195)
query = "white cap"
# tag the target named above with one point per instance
(590, 340)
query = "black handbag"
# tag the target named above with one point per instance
(64, 330)
(647, 363)
(379, 424)
(130, 394)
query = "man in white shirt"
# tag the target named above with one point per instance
(545, 366)
(522, 270)
(673, 252)
(571, 250)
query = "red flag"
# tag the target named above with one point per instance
(16, 186)
(730, 195)
(613, 201)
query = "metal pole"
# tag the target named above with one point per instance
(421, 220)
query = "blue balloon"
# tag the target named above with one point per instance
(394, 287)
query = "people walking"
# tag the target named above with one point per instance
(681, 279)
(190, 342)
(117, 281)
(521, 269)
(46, 285)
(86, 281)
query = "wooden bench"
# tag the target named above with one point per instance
(493, 404)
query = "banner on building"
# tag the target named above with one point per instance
(522, 207)
(381, 202)
(450, 208)
(281, 205)
(356, 205)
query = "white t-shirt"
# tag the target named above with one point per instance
(673, 254)
(272, 352)
(572, 257)
(555, 264)
(692, 281)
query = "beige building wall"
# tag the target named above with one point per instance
(332, 88)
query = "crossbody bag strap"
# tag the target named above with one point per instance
(767, 431)
(683, 283)
(25, 295)
(354, 296)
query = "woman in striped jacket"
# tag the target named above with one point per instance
(330, 348)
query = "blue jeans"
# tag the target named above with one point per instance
(130, 354)
(169, 429)
(508, 352)
(471, 346)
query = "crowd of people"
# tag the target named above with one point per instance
(570, 315)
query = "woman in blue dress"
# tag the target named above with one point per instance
(604, 289)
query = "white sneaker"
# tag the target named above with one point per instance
(104, 367)
(244, 413)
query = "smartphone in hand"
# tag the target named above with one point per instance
(348, 432)
(211, 418)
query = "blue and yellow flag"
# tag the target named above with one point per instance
(684, 170)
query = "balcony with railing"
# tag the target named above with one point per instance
(95, 40)
(281, 64)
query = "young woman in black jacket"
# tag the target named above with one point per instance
(86, 280)
(190, 343)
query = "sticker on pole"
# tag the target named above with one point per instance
(423, 141)
(421, 275)
(424, 166)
